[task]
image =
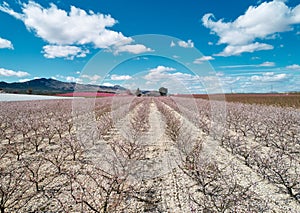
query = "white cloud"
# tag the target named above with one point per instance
(183, 77)
(172, 44)
(6, 9)
(73, 79)
(219, 74)
(293, 67)
(57, 26)
(270, 77)
(158, 73)
(237, 50)
(175, 81)
(60, 76)
(140, 58)
(59, 51)
(267, 64)
(258, 22)
(210, 43)
(264, 64)
(132, 48)
(203, 59)
(92, 78)
(107, 84)
(69, 78)
(4, 43)
(120, 77)
(254, 82)
(188, 44)
(10, 73)
(24, 80)
(67, 30)
(162, 69)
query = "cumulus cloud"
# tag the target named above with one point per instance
(60, 51)
(253, 82)
(11, 73)
(132, 48)
(24, 80)
(92, 78)
(4, 43)
(185, 78)
(239, 49)
(188, 44)
(184, 44)
(258, 22)
(293, 67)
(270, 77)
(57, 26)
(158, 73)
(107, 84)
(174, 80)
(68, 78)
(120, 77)
(73, 79)
(66, 30)
(7, 9)
(203, 59)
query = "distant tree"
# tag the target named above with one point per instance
(163, 91)
(29, 91)
(128, 92)
(138, 92)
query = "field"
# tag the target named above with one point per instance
(146, 154)
(86, 94)
(276, 99)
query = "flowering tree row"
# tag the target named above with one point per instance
(45, 160)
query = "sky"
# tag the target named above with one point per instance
(191, 46)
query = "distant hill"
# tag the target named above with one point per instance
(51, 86)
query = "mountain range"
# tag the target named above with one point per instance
(51, 86)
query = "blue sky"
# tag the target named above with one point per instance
(205, 46)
